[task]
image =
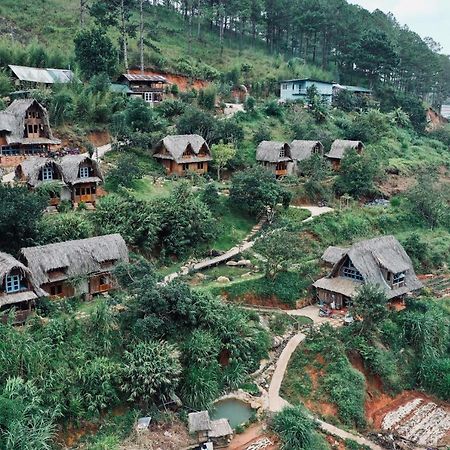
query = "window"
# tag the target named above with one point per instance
(104, 280)
(77, 191)
(35, 129)
(56, 289)
(284, 86)
(200, 165)
(47, 173)
(281, 166)
(30, 129)
(282, 153)
(185, 167)
(148, 97)
(399, 280)
(84, 172)
(12, 283)
(350, 271)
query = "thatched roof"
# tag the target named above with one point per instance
(71, 167)
(344, 286)
(220, 428)
(29, 169)
(301, 150)
(176, 145)
(7, 264)
(333, 254)
(339, 147)
(67, 169)
(79, 258)
(369, 258)
(12, 120)
(269, 151)
(199, 421)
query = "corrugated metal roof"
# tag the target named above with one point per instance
(40, 75)
(143, 77)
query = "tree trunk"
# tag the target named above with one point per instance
(124, 36)
(218, 173)
(199, 15)
(141, 33)
(82, 11)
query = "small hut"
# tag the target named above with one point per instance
(79, 267)
(217, 431)
(25, 130)
(200, 425)
(302, 150)
(338, 149)
(381, 261)
(83, 176)
(183, 154)
(275, 156)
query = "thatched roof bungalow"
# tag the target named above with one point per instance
(183, 153)
(302, 150)
(381, 261)
(76, 267)
(25, 129)
(338, 149)
(17, 287)
(77, 175)
(275, 156)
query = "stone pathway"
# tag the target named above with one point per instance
(246, 244)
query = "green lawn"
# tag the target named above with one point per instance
(233, 227)
(146, 189)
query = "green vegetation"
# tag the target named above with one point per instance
(297, 430)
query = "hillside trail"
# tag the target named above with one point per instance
(245, 244)
(276, 403)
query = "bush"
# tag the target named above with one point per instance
(64, 227)
(297, 430)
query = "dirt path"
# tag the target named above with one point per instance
(100, 151)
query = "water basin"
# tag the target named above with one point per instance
(236, 411)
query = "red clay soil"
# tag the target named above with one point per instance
(320, 407)
(184, 83)
(396, 184)
(99, 138)
(266, 302)
(378, 403)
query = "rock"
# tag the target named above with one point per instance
(200, 276)
(277, 341)
(244, 263)
(232, 263)
(246, 275)
(223, 280)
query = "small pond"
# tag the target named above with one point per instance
(236, 411)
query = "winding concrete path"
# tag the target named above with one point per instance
(276, 403)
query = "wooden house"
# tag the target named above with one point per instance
(183, 154)
(275, 156)
(150, 88)
(17, 288)
(75, 177)
(218, 431)
(82, 176)
(36, 171)
(381, 261)
(302, 150)
(338, 149)
(25, 130)
(80, 267)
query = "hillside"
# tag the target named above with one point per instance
(49, 31)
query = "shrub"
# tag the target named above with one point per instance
(297, 430)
